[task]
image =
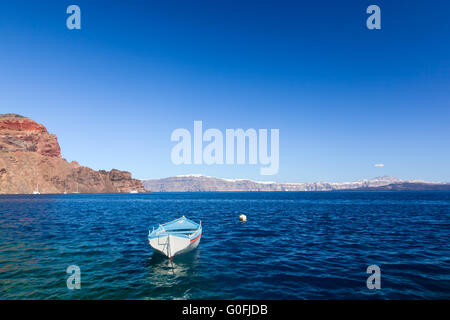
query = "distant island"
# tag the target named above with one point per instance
(31, 162)
(200, 183)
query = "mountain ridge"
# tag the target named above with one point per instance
(200, 183)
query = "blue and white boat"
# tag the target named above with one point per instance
(175, 237)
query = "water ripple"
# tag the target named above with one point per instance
(305, 245)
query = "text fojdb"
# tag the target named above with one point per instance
(247, 309)
(213, 153)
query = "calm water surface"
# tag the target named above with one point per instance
(305, 245)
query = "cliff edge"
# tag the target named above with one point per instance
(30, 160)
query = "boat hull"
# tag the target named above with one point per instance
(172, 245)
(175, 237)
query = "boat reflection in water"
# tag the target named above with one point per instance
(174, 278)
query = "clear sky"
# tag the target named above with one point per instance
(343, 97)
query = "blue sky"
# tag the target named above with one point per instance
(343, 97)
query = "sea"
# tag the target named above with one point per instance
(294, 245)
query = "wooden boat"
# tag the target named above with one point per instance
(175, 237)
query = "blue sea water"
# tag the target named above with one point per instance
(295, 245)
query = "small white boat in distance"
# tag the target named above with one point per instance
(175, 237)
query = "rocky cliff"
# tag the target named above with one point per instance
(30, 160)
(194, 183)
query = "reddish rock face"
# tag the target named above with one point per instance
(22, 134)
(30, 160)
(18, 123)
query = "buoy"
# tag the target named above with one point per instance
(243, 217)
